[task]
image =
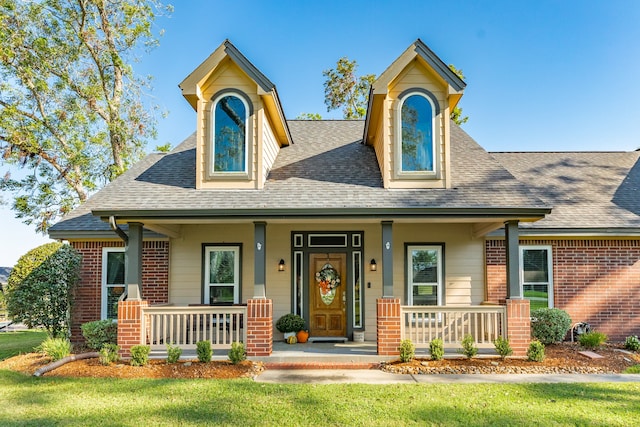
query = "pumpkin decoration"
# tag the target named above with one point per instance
(292, 339)
(302, 336)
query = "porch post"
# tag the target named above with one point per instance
(259, 327)
(518, 315)
(512, 240)
(387, 259)
(133, 262)
(259, 263)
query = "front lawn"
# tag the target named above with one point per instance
(13, 343)
(70, 402)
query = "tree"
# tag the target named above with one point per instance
(343, 89)
(456, 114)
(71, 114)
(309, 116)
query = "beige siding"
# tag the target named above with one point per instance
(270, 148)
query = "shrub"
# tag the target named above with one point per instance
(109, 354)
(290, 323)
(173, 353)
(535, 353)
(237, 353)
(592, 340)
(503, 347)
(436, 349)
(40, 288)
(632, 343)
(203, 349)
(100, 332)
(550, 325)
(55, 348)
(635, 369)
(407, 351)
(469, 348)
(140, 355)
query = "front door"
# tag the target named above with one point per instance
(328, 295)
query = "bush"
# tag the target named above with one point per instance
(535, 353)
(40, 288)
(100, 332)
(436, 349)
(503, 347)
(549, 325)
(237, 353)
(592, 340)
(469, 348)
(55, 348)
(173, 353)
(109, 354)
(407, 351)
(203, 349)
(140, 355)
(632, 343)
(290, 323)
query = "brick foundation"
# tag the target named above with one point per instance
(129, 325)
(518, 326)
(388, 310)
(259, 327)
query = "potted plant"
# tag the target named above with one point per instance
(290, 324)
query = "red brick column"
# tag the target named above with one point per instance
(388, 310)
(129, 325)
(259, 327)
(518, 325)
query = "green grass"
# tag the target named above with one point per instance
(635, 369)
(78, 402)
(12, 343)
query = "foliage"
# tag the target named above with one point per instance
(203, 350)
(109, 354)
(407, 351)
(469, 347)
(290, 323)
(342, 89)
(632, 343)
(164, 148)
(592, 340)
(503, 347)
(173, 353)
(55, 348)
(41, 287)
(309, 116)
(436, 349)
(71, 109)
(140, 355)
(549, 325)
(535, 352)
(635, 369)
(20, 342)
(456, 114)
(100, 332)
(237, 353)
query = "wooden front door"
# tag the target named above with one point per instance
(328, 295)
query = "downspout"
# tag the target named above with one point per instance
(118, 230)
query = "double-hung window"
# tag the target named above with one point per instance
(230, 116)
(424, 273)
(537, 275)
(222, 275)
(113, 281)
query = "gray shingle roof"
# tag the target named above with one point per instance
(327, 169)
(596, 190)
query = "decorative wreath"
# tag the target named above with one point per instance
(327, 278)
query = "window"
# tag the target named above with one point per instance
(416, 155)
(230, 140)
(537, 275)
(222, 275)
(424, 275)
(113, 281)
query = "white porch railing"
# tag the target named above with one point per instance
(421, 324)
(184, 326)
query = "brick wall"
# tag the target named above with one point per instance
(388, 325)
(155, 279)
(595, 281)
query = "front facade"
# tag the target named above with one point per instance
(400, 226)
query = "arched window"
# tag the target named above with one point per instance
(230, 137)
(417, 141)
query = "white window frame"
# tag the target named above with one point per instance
(104, 285)
(236, 272)
(549, 250)
(398, 157)
(212, 170)
(439, 284)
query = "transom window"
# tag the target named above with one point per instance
(416, 137)
(222, 275)
(424, 275)
(113, 281)
(537, 275)
(229, 148)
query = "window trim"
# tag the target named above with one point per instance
(440, 291)
(103, 280)
(237, 269)
(549, 249)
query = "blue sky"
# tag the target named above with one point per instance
(541, 75)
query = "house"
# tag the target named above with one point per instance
(399, 226)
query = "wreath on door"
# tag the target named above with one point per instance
(327, 280)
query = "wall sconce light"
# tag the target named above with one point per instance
(281, 265)
(372, 265)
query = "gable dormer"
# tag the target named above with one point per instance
(240, 122)
(408, 119)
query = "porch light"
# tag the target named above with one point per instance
(281, 265)
(372, 265)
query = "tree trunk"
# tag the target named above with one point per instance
(65, 360)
